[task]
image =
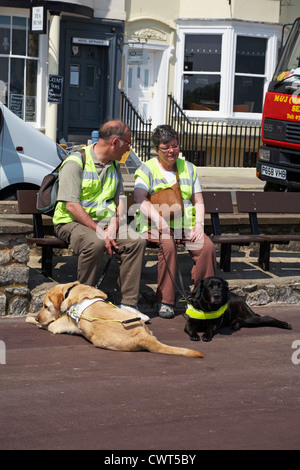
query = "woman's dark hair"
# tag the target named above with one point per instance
(163, 134)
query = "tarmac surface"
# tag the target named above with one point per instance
(59, 392)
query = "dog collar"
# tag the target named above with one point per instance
(200, 315)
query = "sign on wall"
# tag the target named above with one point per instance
(135, 57)
(55, 89)
(91, 41)
(38, 16)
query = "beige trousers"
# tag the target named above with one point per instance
(90, 250)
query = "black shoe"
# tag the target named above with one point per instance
(166, 311)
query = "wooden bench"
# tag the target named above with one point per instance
(220, 202)
(216, 203)
(27, 205)
(275, 203)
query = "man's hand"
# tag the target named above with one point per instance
(109, 236)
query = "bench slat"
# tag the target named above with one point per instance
(254, 203)
(27, 205)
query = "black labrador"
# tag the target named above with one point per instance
(208, 311)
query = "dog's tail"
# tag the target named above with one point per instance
(151, 344)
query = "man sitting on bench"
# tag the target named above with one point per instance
(87, 213)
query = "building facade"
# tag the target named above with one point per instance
(64, 63)
(61, 63)
(216, 58)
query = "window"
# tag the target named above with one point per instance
(202, 66)
(249, 74)
(223, 69)
(18, 67)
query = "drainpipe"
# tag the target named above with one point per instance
(53, 62)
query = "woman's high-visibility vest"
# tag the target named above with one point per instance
(153, 176)
(96, 199)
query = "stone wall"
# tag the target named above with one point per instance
(16, 298)
(14, 272)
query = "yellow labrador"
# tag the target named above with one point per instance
(79, 309)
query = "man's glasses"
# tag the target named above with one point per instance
(128, 143)
(168, 149)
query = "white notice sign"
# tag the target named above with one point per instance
(91, 42)
(37, 19)
(135, 57)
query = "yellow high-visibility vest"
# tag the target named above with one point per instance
(200, 315)
(96, 199)
(154, 178)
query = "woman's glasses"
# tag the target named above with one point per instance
(168, 149)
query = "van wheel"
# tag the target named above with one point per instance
(10, 193)
(9, 196)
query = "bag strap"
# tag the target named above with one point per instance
(83, 156)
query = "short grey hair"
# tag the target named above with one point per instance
(163, 134)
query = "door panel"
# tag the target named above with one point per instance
(141, 81)
(146, 86)
(87, 73)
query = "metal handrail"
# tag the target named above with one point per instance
(204, 142)
(207, 142)
(140, 128)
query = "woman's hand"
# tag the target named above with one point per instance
(197, 233)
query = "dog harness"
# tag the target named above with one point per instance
(76, 312)
(200, 315)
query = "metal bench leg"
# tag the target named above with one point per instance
(264, 256)
(225, 257)
(47, 257)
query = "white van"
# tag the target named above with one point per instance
(26, 155)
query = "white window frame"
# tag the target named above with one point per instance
(229, 31)
(41, 67)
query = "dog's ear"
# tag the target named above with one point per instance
(225, 284)
(80, 293)
(56, 298)
(195, 295)
(66, 301)
(68, 288)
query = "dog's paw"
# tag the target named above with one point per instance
(195, 338)
(31, 320)
(206, 338)
(235, 326)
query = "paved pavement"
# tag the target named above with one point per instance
(212, 178)
(59, 392)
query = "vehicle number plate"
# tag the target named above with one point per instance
(273, 172)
